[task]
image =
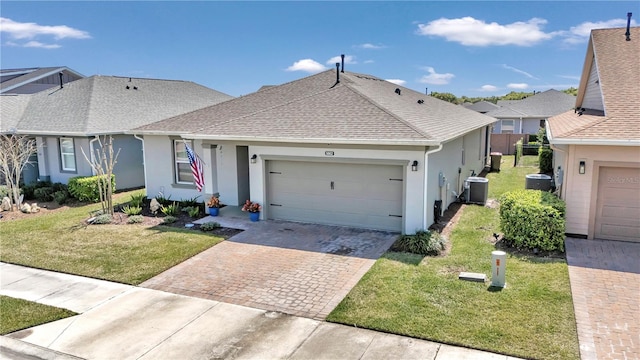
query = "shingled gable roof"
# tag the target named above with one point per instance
(360, 109)
(541, 105)
(616, 62)
(103, 105)
(24, 76)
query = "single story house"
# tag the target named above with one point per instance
(597, 145)
(33, 80)
(66, 122)
(333, 148)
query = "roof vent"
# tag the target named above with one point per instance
(127, 87)
(628, 33)
(337, 73)
(60, 74)
(342, 56)
(398, 91)
(135, 88)
(420, 101)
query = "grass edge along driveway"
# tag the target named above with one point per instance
(18, 314)
(423, 298)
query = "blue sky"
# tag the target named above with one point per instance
(466, 48)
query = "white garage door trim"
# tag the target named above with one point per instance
(336, 193)
(618, 205)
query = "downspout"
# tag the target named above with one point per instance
(548, 131)
(144, 166)
(425, 184)
(92, 157)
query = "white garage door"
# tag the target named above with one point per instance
(618, 204)
(359, 195)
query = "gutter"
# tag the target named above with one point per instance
(312, 140)
(425, 185)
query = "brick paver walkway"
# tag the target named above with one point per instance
(605, 284)
(298, 269)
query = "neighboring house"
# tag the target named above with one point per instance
(67, 121)
(482, 106)
(33, 80)
(597, 146)
(528, 115)
(332, 148)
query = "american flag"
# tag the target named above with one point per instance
(196, 167)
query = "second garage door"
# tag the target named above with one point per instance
(618, 205)
(359, 195)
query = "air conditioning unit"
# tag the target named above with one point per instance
(476, 189)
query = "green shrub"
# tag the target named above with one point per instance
(43, 194)
(135, 219)
(532, 219)
(193, 211)
(211, 225)
(423, 243)
(193, 202)
(4, 191)
(86, 188)
(137, 200)
(163, 200)
(132, 210)
(102, 219)
(171, 210)
(545, 160)
(169, 219)
(61, 197)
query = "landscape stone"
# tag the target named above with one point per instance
(25, 208)
(154, 206)
(6, 204)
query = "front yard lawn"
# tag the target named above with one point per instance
(405, 294)
(18, 314)
(129, 253)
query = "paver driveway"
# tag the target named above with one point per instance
(298, 269)
(605, 285)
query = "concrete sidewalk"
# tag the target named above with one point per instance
(125, 322)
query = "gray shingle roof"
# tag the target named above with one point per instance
(541, 105)
(11, 109)
(359, 109)
(103, 104)
(482, 106)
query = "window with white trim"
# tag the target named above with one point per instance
(182, 167)
(67, 154)
(508, 126)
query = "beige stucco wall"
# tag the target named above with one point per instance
(580, 190)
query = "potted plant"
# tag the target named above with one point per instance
(253, 208)
(214, 205)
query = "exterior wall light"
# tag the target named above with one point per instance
(582, 167)
(254, 158)
(414, 165)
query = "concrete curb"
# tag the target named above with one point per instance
(14, 349)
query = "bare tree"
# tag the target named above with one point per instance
(102, 164)
(15, 151)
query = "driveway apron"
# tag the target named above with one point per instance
(605, 285)
(293, 268)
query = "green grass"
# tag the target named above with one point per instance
(405, 294)
(128, 254)
(17, 314)
(529, 160)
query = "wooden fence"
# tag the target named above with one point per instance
(505, 143)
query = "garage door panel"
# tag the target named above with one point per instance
(618, 204)
(362, 195)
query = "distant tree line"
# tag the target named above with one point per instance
(514, 95)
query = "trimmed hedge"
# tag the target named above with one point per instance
(85, 188)
(545, 160)
(532, 219)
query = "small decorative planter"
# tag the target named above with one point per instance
(214, 211)
(254, 216)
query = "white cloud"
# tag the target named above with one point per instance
(472, 32)
(570, 77)
(37, 44)
(369, 61)
(519, 71)
(580, 33)
(396, 81)
(348, 59)
(308, 65)
(19, 30)
(370, 46)
(435, 78)
(518, 86)
(488, 88)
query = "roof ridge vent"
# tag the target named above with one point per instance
(398, 91)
